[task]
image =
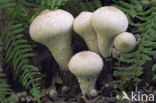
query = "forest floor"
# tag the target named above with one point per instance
(62, 87)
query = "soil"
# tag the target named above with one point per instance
(66, 86)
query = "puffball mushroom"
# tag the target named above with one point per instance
(82, 26)
(86, 66)
(108, 22)
(53, 28)
(125, 42)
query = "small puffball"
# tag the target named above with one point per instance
(118, 97)
(93, 93)
(125, 42)
(53, 94)
(86, 66)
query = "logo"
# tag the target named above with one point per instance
(138, 97)
(125, 96)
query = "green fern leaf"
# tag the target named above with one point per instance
(144, 51)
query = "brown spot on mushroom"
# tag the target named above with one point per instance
(84, 54)
(111, 8)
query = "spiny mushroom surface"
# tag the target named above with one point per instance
(125, 42)
(82, 26)
(53, 28)
(86, 66)
(108, 22)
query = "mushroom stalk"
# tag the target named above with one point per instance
(62, 52)
(87, 84)
(105, 45)
(91, 41)
(82, 26)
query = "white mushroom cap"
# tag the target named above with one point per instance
(86, 63)
(82, 26)
(49, 24)
(125, 42)
(86, 66)
(53, 29)
(109, 19)
(108, 22)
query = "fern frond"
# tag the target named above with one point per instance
(82, 5)
(18, 52)
(44, 4)
(5, 90)
(145, 49)
(17, 49)
(7, 4)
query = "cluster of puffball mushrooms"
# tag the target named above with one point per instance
(100, 30)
